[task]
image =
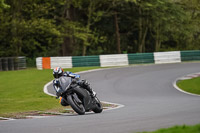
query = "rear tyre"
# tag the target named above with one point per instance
(77, 107)
(99, 107)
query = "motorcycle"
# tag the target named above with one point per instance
(78, 98)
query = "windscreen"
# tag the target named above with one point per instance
(64, 82)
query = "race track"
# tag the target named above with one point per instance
(151, 102)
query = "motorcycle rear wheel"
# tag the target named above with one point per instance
(77, 107)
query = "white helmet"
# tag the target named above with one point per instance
(57, 72)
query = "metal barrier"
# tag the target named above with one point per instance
(12, 63)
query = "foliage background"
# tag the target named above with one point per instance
(34, 28)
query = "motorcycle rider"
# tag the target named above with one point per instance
(58, 72)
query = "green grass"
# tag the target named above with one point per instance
(190, 85)
(179, 129)
(22, 91)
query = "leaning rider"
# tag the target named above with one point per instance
(58, 72)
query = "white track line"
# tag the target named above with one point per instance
(118, 105)
(6, 119)
(46, 90)
(183, 78)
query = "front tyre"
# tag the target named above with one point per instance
(77, 107)
(99, 107)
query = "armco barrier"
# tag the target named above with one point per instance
(190, 55)
(84, 61)
(140, 58)
(116, 59)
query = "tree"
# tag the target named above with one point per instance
(163, 16)
(3, 4)
(29, 29)
(88, 27)
(190, 29)
(93, 15)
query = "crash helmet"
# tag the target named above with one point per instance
(57, 72)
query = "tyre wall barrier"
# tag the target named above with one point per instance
(117, 59)
(167, 57)
(12, 63)
(141, 58)
(65, 62)
(190, 55)
(114, 60)
(52, 62)
(85, 61)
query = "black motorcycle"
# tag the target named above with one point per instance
(78, 98)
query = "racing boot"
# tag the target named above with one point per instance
(93, 93)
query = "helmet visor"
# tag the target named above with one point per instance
(56, 75)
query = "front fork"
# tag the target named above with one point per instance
(75, 97)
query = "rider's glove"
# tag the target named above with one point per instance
(55, 82)
(74, 81)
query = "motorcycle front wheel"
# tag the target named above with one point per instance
(99, 107)
(77, 107)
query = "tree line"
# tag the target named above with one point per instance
(35, 28)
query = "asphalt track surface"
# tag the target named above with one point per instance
(151, 102)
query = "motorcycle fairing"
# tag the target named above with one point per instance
(64, 82)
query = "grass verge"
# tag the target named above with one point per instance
(179, 129)
(22, 91)
(190, 85)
